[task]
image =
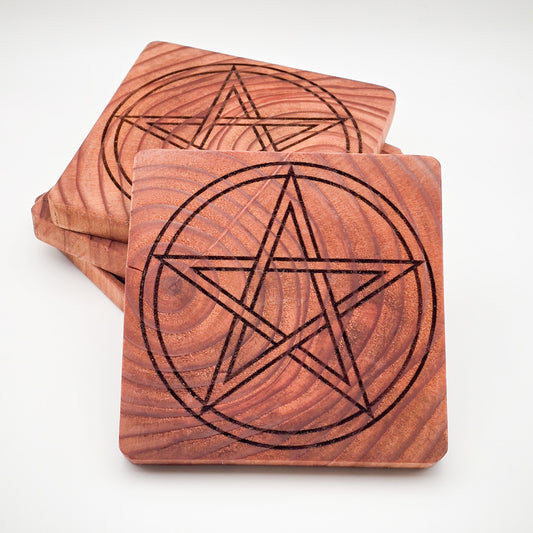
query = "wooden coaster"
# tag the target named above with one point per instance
(103, 253)
(284, 309)
(180, 97)
(110, 284)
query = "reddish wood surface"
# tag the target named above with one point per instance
(284, 309)
(180, 97)
(103, 253)
(110, 284)
(83, 246)
(103, 261)
(389, 149)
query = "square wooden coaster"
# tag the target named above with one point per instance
(284, 309)
(180, 97)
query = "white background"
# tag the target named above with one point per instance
(462, 73)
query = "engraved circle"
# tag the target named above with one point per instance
(176, 89)
(415, 356)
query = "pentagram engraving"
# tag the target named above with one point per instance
(167, 112)
(256, 343)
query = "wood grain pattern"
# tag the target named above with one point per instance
(103, 261)
(284, 309)
(103, 253)
(180, 97)
(389, 149)
(110, 284)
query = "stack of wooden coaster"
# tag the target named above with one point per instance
(283, 277)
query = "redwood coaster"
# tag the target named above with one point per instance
(102, 253)
(284, 309)
(180, 97)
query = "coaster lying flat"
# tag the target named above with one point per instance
(102, 253)
(112, 286)
(180, 97)
(284, 309)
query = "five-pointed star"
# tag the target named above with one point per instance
(339, 371)
(272, 133)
